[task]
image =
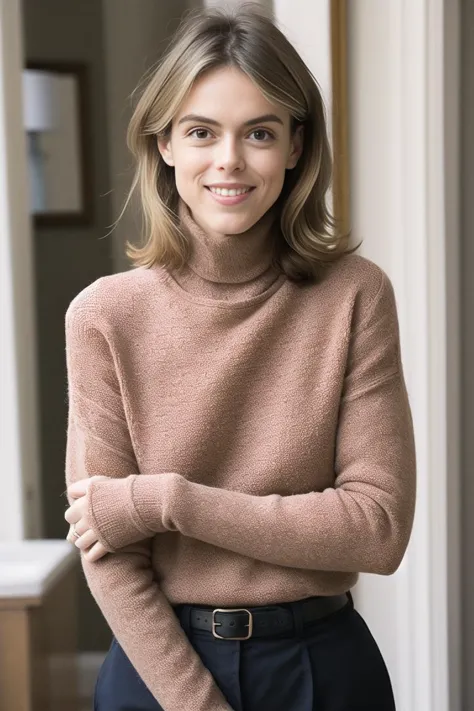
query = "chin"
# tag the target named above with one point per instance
(233, 229)
(233, 224)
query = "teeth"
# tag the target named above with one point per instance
(229, 193)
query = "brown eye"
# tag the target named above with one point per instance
(197, 133)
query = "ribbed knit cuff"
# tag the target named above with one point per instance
(112, 513)
(154, 496)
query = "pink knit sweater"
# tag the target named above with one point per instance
(257, 434)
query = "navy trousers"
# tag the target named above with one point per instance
(333, 664)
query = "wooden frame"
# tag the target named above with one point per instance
(84, 214)
(339, 114)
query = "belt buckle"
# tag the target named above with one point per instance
(235, 609)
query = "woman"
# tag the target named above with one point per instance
(240, 443)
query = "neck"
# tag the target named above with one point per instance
(229, 259)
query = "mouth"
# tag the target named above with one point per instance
(229, 192)
(227, 197)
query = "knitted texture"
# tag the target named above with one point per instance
(259, 438)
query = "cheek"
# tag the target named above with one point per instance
(189, 158)
(271, 167)
(190, 167)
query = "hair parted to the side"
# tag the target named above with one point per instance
(247, 39)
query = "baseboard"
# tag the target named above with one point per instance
(86, 665)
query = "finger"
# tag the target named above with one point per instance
(71, 538)
(75, 512)
(81, 527)
(95, 553)
(86, 540)
(78, 489)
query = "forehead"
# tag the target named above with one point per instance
(228, 95)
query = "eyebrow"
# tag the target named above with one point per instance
(266, 118)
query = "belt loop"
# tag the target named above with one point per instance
(297, 612)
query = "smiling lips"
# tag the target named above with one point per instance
(228, 195)
(229, 192)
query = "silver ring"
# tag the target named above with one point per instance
(75, 533)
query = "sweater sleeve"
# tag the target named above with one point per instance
(123, 585)
(362, 523)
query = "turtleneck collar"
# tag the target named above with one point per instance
(229, 259)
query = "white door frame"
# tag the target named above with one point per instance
(20, 505)
(415, 614)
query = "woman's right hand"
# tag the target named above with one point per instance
(81, 533)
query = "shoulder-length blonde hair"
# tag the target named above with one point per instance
(247, 39)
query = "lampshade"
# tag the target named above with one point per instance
(39, 100)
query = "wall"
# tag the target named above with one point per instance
(135, 34)
(68, 258)
(467, 303)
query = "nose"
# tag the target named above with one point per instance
(229, 155)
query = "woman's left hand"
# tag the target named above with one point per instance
(77, 515)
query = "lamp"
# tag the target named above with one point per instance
(39, 115)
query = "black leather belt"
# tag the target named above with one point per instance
(244, 623)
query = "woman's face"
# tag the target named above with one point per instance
(226, 134)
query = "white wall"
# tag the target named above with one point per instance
(309, 30)
(19, 478)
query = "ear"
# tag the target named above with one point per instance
(296, 147)
(164, 147)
